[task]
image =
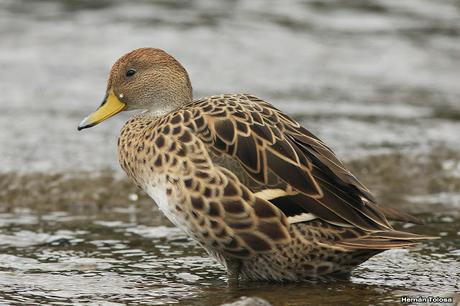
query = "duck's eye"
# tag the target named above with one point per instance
(130, 72)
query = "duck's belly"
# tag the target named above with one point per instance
(168, 206)
(178, 212)
(180, 218)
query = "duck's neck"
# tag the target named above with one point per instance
(156, 113)
(165, 106)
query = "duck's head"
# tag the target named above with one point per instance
(145, 78)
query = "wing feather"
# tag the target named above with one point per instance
(278, 153)
(219, 210)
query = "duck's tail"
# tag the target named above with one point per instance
(399, 215)
(383, 240)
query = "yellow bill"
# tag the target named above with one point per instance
(109, 107)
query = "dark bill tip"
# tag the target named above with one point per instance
(82, 127)
(84, 124)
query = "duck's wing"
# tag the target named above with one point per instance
(291, 167)
(213, 205)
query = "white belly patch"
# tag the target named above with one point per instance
(158, 194)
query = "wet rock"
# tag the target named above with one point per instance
(249, 301)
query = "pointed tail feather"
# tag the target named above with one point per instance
(398, 215)
(384, 240)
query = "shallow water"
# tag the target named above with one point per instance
(377, 80)
(61, 257)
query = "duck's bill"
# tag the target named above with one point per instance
(109, 107)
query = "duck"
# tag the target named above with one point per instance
(261, 194)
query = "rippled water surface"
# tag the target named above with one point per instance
(377, 80)
(65, 257)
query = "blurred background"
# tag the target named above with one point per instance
(378, 81)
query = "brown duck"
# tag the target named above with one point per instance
(264, 196)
